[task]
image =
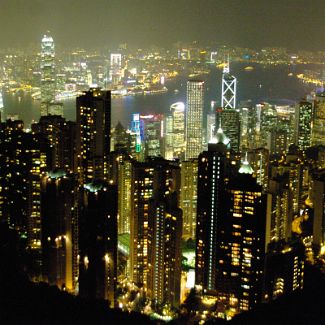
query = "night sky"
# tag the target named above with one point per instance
(296, 24)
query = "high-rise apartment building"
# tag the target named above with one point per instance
(155, 233)
(59, 213)
(194, 118)
(188, 201)
(93, 134)
(98, 242)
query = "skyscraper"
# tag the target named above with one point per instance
(194, 118)
(47, 74)
(178, 128)
(93, 134)
(229, 88)
(98, 242)
(155, 233)
(59, 212)
(318, 126)
(303, 119)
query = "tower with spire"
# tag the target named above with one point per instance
(229, 87)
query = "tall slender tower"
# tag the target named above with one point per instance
(194, 118)
(229, 85)
(47, 74)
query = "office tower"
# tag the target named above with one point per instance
(229, 88)
(121, 139)
(318, 125)
(2, 116)
(61, 135)
(152, 134)
(229, 119)
(115, 68)
(178, 128)
(136, 135)
(268, 123)
(59, 213)
(242, 242)
(156, 229)
(303, 117)
(98, 242)
(194, 118)
(188, 201)
(168, 138)
(47, 74)
(93, 134)
(284, 271)
(213, 173)
(211, 123)
(278, 140)
(286, 120)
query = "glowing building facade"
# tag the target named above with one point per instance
(303, 119)
(229, 89)
(194, 118)
(47, 74)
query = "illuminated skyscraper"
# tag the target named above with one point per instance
(318, 125)
(188, 202)
(229, 88)
(178, 128)
(1, 108)
(229, 119)
(194, 118)
(156, 223)
(93, 134)
(115, 68)
(303, 124)
(47, 74)
(59, 212)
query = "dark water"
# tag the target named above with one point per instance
(270, 84)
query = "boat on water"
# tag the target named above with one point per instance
(249, 68)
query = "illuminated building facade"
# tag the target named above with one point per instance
(178, 128)
(229, 89)
(304, 111)
(188, 202)
(93, 134)
(61, 135)
(213, 175)
(47, 74)
(115, 71)
(318, 125)
(229, 119)
(98, 242)
(242, 242)
(121, 139)
(59, 212)
(156, 226)
(268, 123)
(194, 118)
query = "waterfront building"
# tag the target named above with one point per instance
(194, 118)
(93, 134)
(48, 83)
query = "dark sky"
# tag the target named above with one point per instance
(296, 24)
